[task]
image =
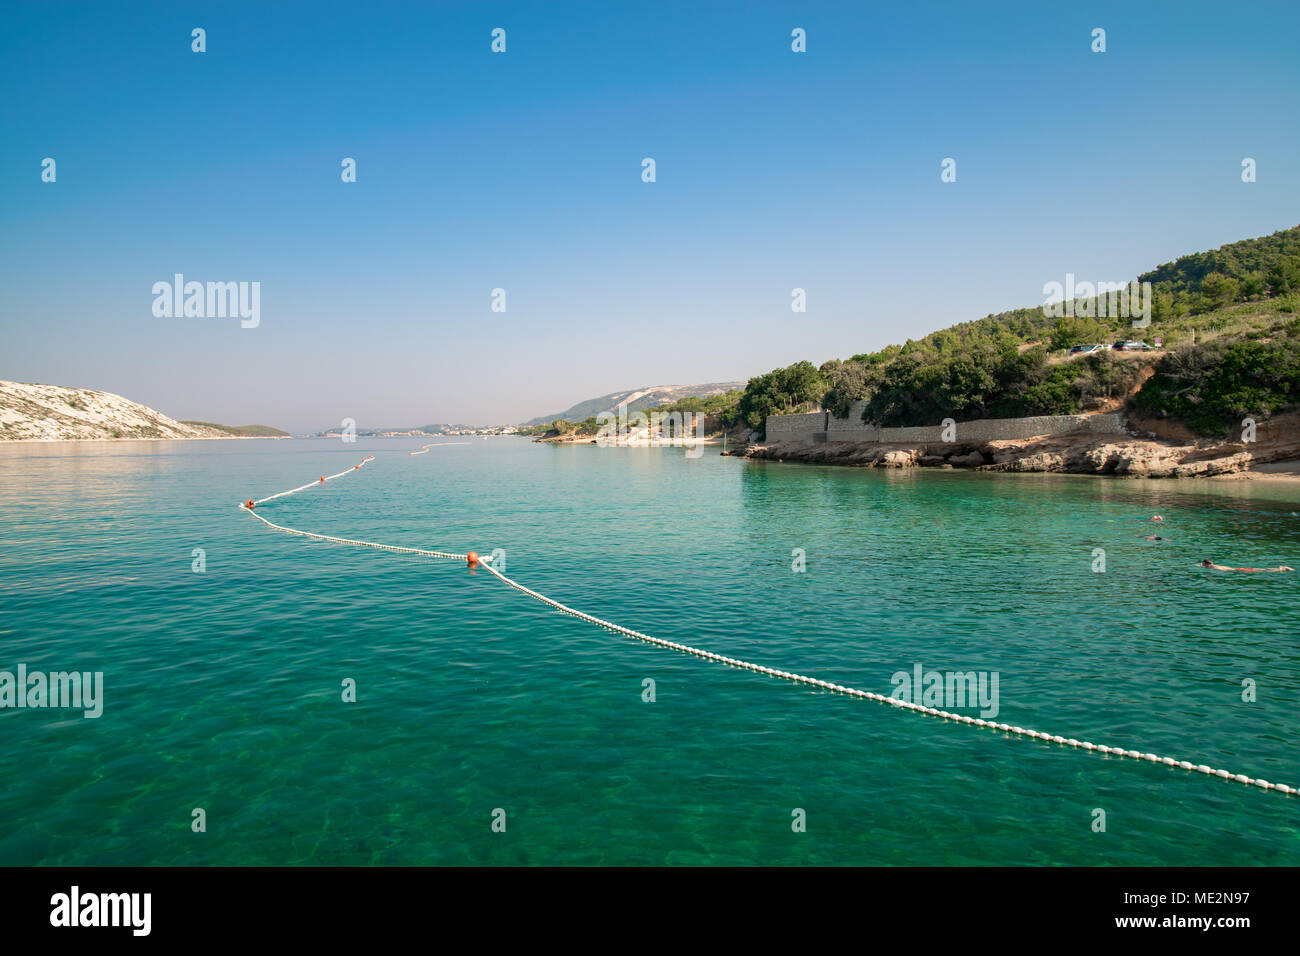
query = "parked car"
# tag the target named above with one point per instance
(1132, 346)
(1088, 349)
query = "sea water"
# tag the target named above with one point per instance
(227, 649)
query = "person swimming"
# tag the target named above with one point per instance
(1207, 563)
(1157, 517)
(1152, 537)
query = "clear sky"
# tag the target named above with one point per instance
(522, 171)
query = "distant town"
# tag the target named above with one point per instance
(425, 431)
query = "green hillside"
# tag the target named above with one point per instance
(1236, 303)
(1240, 272)
(244, 431)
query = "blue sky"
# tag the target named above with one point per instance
(522, 171)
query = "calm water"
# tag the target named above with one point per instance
(223, 688)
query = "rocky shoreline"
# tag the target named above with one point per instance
(1139, 456)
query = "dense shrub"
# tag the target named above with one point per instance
(1213, 387)
(779, 391)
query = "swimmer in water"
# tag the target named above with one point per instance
(1207, 563)
(1151, 537)
(1157, 517)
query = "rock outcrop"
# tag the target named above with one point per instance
(1137, 457)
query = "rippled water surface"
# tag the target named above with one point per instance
(223, 688)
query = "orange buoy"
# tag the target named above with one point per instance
(322, 479)
(249, 504)
(358, 467)
(472, 559)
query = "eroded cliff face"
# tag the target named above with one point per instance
(54, 413)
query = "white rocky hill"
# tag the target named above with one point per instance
(54, 413)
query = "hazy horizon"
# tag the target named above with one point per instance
(522, 171)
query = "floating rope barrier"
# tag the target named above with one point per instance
(360, 544)
(476, 561)
(330, 538)
(424, 449)
(310, 484)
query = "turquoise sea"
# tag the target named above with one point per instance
(223, 688)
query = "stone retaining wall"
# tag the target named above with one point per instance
(809, 426)
(795, 427)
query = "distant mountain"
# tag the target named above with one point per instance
(30, 412)
(637, 399)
